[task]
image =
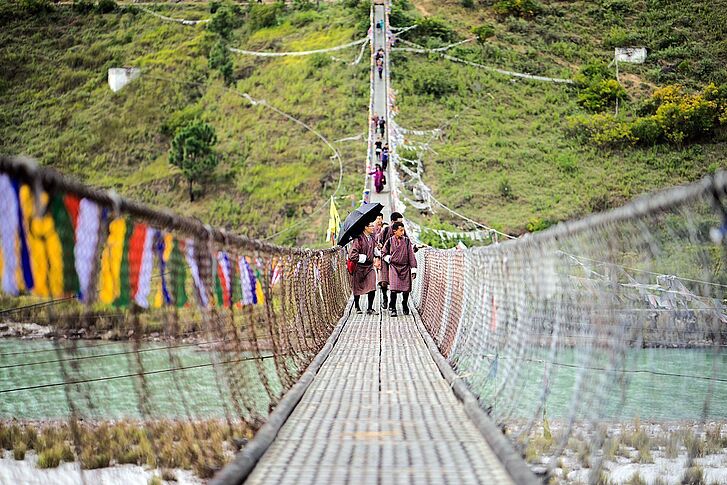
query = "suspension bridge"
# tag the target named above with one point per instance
(538, 358)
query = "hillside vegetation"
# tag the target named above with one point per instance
(56, 105)
(516, 154)
(520, 154)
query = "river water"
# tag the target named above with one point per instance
(659, 384)
(651, 384)
(199, 392)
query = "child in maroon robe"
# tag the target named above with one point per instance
(398, 253)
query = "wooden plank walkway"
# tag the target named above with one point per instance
(379, 411)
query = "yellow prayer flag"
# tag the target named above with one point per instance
(334, 224)
(46, 252)
(113, 252)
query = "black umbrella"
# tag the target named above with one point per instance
(357, 220)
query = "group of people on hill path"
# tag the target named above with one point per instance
(381, 152)
(384, 256)
(379, 58)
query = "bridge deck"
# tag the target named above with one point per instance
(380, 107)
(379, 411)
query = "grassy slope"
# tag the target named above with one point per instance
(56, 106)
(515, 130)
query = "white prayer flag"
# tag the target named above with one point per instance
(634, 55)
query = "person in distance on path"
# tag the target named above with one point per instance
(382, 125)
(385, 156)
(398, 253)
(379, 178)
(366, 256)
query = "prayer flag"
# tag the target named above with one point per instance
(89, 221)
(334, 224)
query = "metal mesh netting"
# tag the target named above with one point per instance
(136, 336)
(598, 346)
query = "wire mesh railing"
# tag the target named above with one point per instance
(145, 337)
(598, 345)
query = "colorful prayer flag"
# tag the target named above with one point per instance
(89, 221)
(8, 236)
(111, 256)
(194, 269)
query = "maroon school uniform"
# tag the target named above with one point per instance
(364, 278)
(401, 263)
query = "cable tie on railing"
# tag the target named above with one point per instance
(460, 376)
(115, 199)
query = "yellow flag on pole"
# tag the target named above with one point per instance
(334, 224)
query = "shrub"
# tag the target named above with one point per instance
(105, 6)
(219, 58)
(303, 4)
(603, 129)
(619, 37)
(483, 32)
(566, 163)
(536, 224)
(592, 71)
(82, 6)
(225, 19)
(302, 19)
(319, 60)
(181, 118)
(264, 15)
(689, 118)
(432, 80)
(505, 188)
(601, 94)
(434, 27)
(19, 450)
(518, 8)
(646, 130)
(93, 458)
(618, 6)
(693, 476)
(399, 16)
(36, 7)
(468, 3)
(50, 458)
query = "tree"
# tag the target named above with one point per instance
(192, 151)
(225, 19)
(483, 32)
(219, 58)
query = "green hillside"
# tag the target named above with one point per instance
(514, 154)
(57, 106)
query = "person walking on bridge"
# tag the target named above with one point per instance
(384, 236)
(378, 226)
(382, 125)
(380, 67)
(365, 254)
(398, 253)
(379, 178)
(385, 156)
